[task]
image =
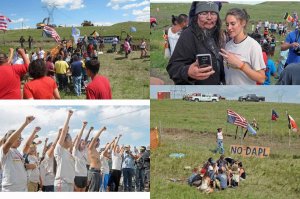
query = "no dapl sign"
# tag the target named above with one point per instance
(247, 151)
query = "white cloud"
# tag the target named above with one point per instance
(135, 5)
(19, 20)
(125, 15)
(20, 28)
(142, 15)
(103, 23)
(70, 4)
(115, 4)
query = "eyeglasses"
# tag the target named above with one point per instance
(205, 14)
(20, 139)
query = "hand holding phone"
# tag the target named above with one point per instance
(204, 60)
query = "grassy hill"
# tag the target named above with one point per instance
(190, 128)
(272, 11)
(129, 78)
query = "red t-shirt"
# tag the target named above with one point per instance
(10, 81)
(42, 88)
(99, 88)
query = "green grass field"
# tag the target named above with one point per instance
(190, 128)
(129, 78)
(272, 11)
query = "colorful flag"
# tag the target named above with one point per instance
(234, 118)
(3, 22)
(292, 124)
(288, 17)
(75, 33)
(50, 32)
(274, 115)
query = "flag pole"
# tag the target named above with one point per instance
(242, 135)
(289, 138)
(271, 128)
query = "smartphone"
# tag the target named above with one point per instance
(204, 60)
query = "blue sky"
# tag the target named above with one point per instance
(285, 94)
(131, 121)
(74, 12)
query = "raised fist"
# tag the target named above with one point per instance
(92, 128)
(84, 123)
(70, 112)
(29, 119)
(37, 129)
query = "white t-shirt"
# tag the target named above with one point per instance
(81, 160)
(248, 51)
(220, 135)
(14, 174)
(116, 161)
(46, 171)
(33, 174)
(173, 38)
(65, 169)
(104, 164)
(41, 54)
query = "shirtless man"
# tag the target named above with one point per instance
(94, 157)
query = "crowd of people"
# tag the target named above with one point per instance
(217, 175)
(236, 58)
(45, 74)
(67, 165)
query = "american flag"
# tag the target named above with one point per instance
(3, 22)
(234, 118)
(50, 32)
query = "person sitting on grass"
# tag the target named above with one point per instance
(222, 178)
(99, 87)
(42, 86)
(235, 175)
(242, 171)
(10, 75)
(205, 184)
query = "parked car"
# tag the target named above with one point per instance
(251, 98)
(205, 98)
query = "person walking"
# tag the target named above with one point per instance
(220, 146)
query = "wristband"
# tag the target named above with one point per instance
(242, 66)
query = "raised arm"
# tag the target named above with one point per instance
(88, 135)
(24, 56)
(9, 142)
(93, 142)
(11, 54)
(108, 146)
(50, 151)
(30, 140)
(116, 143)
(45, 147)
(76, 144)
(63, 134)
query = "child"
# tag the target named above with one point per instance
(143, 48)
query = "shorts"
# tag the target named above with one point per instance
(80, 181)
(94, 180)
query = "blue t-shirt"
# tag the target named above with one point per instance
(128, 161)
(76, 68)
(223, 180)
(270, 70)
(291, 38)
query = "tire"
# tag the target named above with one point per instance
(243, 100)
(197, 100)
(214, 100)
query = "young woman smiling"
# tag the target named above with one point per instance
(242, 54)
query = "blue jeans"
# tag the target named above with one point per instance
(77, 85)
(127, 179)
(139, 178)
(220, 146)
(103, 182)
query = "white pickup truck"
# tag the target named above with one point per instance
(205, 98)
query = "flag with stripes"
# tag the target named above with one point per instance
(292, 124)
(3, 22)
(50, 32)
(236, 119)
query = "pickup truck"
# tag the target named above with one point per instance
(251, 98)
(205, 98)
